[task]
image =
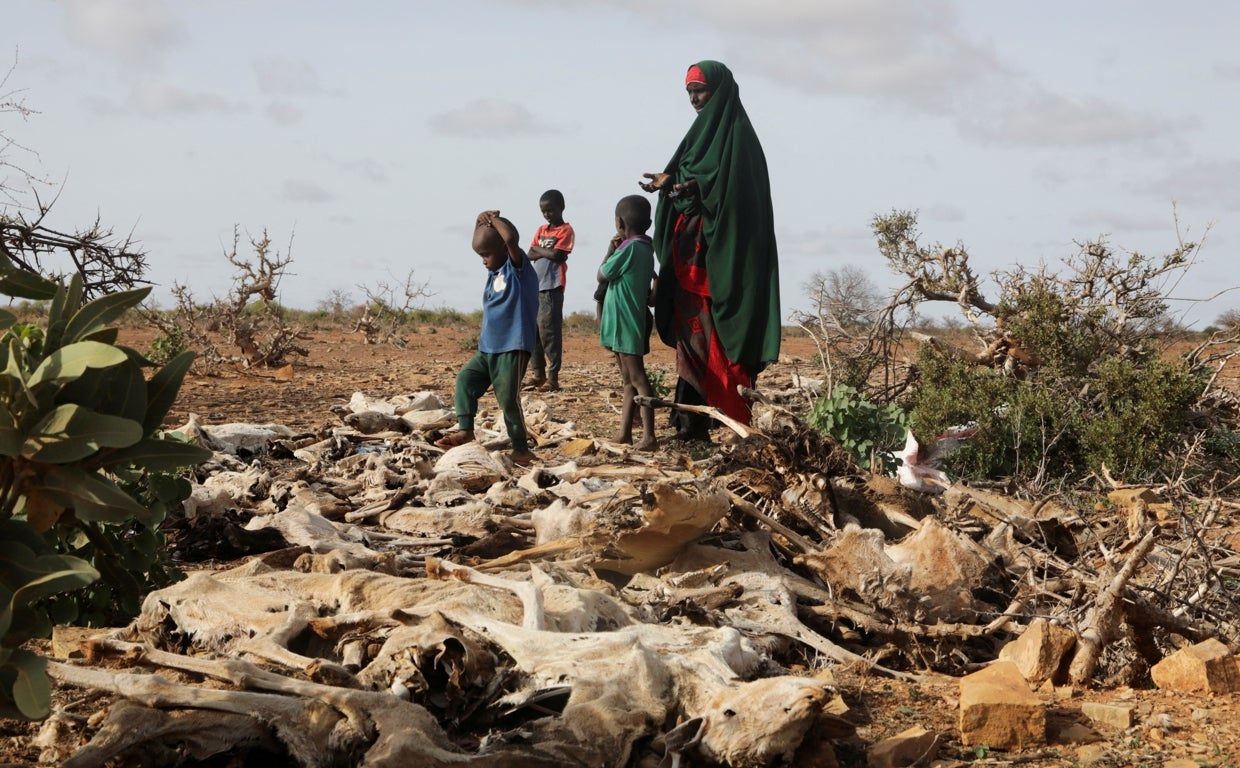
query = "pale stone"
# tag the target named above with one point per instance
(67, 641)
(1115, 715)
(915, 746)
(1077, 734)
(1040, 651)
(1207, 667)
(582, 446)
(998, 709)
(1091, 754)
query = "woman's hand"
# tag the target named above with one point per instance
(657, 181)
(688, 188)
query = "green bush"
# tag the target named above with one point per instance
(871, 433)
(659, 385)
(1126, 414)
(82, 462)
(168, 345)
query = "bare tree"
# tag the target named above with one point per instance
(248, 317)
(105, 262)
(12, 102)
(847, 324)
(387, 309)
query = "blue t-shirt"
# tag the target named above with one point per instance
(509, 309)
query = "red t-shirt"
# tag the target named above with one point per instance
(550, 274)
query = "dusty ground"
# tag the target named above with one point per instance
(1197, 730)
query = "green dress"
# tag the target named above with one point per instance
(718, 293)
(624, 326)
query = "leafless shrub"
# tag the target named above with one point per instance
(851, 328)
(105, 262)
(13, 102)
(387, 310)
(248, 317)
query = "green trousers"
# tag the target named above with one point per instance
(502, 371)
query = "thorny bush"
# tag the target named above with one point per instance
(1071, 375)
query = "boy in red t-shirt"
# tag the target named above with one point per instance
(548, 252)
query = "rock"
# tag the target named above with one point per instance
(67, 641)
(1077, 734)
(582, 446)
(1207, 667)
(915, 746)
(1092, 754)
(1041, 651)
(1115, 715)
(998, 709)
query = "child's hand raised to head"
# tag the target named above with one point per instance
(485, 218)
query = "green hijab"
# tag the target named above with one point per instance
(722, 152)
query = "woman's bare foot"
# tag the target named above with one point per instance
(623, 437)
(454, 439)
(523, 458)
(647, 444)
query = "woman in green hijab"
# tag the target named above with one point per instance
(717, 296)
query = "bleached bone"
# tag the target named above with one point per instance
(530, 592)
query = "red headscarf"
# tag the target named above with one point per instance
(695, 75)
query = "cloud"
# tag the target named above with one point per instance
(1210, 184)
(286, 77)
(152, 98)
(1053, 120)
(303, 191)
(487, 118)
(283, 113)
(1228, 70)
(370, 170)
(1119, 222)
(134, 33)
(909, 54)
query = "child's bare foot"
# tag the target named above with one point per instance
(523, 458)
(623, 437)
(647, 444)
(454, 439)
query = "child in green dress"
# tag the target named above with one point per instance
(627, 272)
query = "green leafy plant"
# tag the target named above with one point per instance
(658, 382)
(172, 342)
(81, 460)
(871, 433)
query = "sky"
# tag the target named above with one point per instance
(365, 137)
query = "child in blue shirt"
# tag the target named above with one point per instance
(509, 322)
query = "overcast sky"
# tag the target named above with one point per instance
(370, 134)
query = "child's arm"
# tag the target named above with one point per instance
(509, 234)
(559, 256)
(616, 239)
